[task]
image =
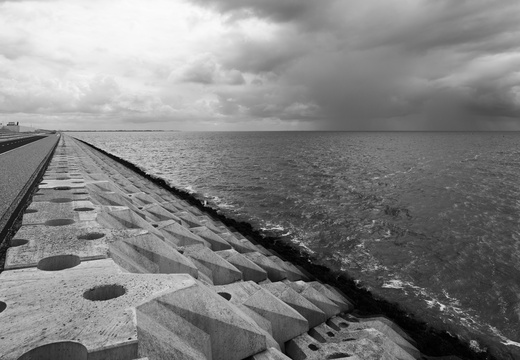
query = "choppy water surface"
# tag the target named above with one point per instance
(430, 220)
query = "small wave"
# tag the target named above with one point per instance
(504, 340)
(393, 284)
(221, 203)
(450, 307)
(272, 227)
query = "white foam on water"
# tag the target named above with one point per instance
(272, 227)
(393, 284)
(219, 202)
(504, 340)
(450, 306)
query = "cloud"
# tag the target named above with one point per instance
(343, 64)
(204, 69)
(365, 62)
(287, 10)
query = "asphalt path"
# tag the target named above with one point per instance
(17, 170)
(11, 144)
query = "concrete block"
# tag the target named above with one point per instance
(102, 187)
(209, 224)
(181, 236)
(269, 354)
(238, 245)
(173, 206)
(39, 212)
(304, 347)
(157, 213)
(339, 293)
(263, 250)
(141, 199)
(189, 218)
(309, 276)
(232, 335)
(341, 302)
(392, 331)
(69, 183)
(222, 271)
(250, 271)
(286, 322)
(150, 190)
(130, 260)
(125, 219)
(49, 194)
(39, 241)
(205, 273)
(88, 307)
(129, 188)
(217, 243)
(111, 199)
(314, 296)
(307, 309)
(153, 254)
(274, 272)
(326, 334)
(263, 324)
(292, 272)
(165, 335)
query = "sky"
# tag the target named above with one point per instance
(220, 65)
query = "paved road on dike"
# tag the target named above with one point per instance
(11, 144)
(16, 169)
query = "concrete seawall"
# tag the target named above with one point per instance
(109, 265)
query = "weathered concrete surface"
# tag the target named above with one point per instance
(109, 265)
(308, 310)
(45, 306)
(286, 323)
(250, 271)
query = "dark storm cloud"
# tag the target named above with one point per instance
(287, 10)
(441, 64)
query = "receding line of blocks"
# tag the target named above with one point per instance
(108, 265)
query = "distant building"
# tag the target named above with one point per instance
(16, 127)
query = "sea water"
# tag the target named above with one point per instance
(428, 220)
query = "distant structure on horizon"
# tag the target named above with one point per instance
(16, 127)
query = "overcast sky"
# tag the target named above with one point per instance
(261, 64)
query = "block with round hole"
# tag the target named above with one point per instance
(46, 241)
(59, 350)
(354, 333)
(59, 262)
(305, 347)
(94, 308)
